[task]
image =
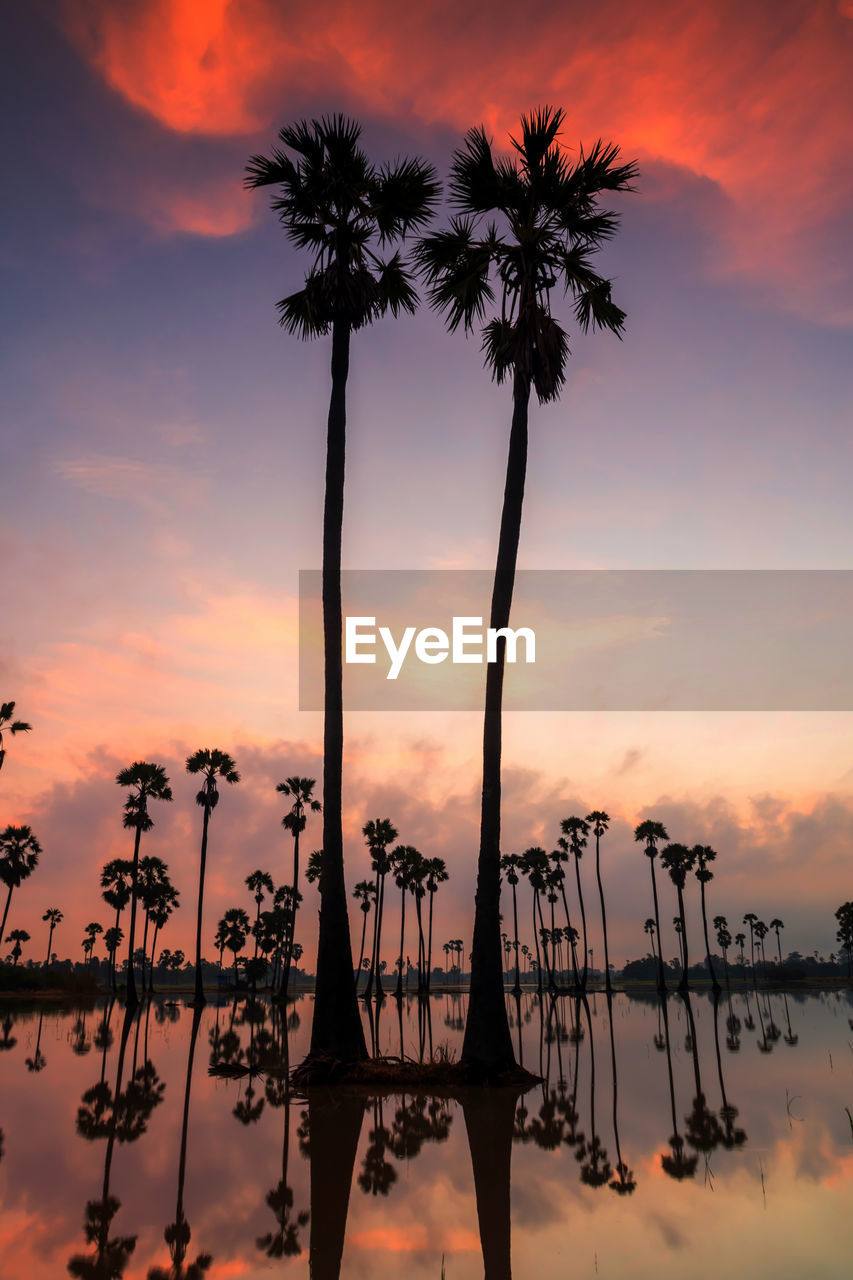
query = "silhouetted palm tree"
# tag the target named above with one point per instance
(678, 860)
(364, 893)
(152, 883)
(844, 934)
(724, 941)
(19, 855)
(213, 765)
(116, 879)
(577, 831)
(18, 937)
(650, 834)
(511, 864)
(649, 928)
(235, 926)
(148, 782)
(333, 202)
(750, 919)
(300, 791)
(535, 867)
(404, 861)
(259, 883)
(559, 856)
(378, 834)
(776, 925)
(544, 226)
(599, 822)
(54, 916)
(92, 930)
(704, 854)
(740, 939)
(436, 874)
(8, 725)
(761, 932)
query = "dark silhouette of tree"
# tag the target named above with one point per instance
(213, 765)
(649, 928)
(535, 867)
(678, 860)
(148, 782)
(599, 821)
(19, 855)
(724, 941)
(54, 917)
(844, 916)
(595, 1165)
(576, 830)
(740, 939)
(559, 856)
(37, 1062)
(650, 834)
(300, 791)
(489, 1123)
(364, 894)
(511, 864)
(731, 1136)
(163, 902)
(436, 874)
(543, 227)
(777, 925)
(703, 854)
(761, 932)
(378, 1175)
(18, 937)
(10, 726)
(404, 861)
(624, 1182)
(750, 919)
(91, 931)
(333, 202)
(235, 926)
(678, 1164)
(378, 834)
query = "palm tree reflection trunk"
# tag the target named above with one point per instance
(334, 1126)
(489, 1117)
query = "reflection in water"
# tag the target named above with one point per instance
(621, 1078)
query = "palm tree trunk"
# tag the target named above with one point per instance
(603, 918)
(661, 978)
(336, 1029)
(489, 1125)
(361, 951)
(682, 986)
(291, 928)
(132, 997)
(487, 1046)
(517, 984)
(5, 913)
(429, 943)
(536, 945)
(421, 947)
(714, 983)
(199, 985)
(583, 923)
(374, 958)
(399, 992)
(380, 913)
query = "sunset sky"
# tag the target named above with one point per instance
(162, 448)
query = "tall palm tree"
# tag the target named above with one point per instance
(649, 928)
(776, 924)
(378, 834)
(234, 927)
(147, 782)
(335, 203)
(562, 854)
(650, 834)
(300, 791)
(165, 902)
(152, 878)
(8, 724)
(740, 939)
(576, 830)
(116, 877)
(724, 941)
(600, 821)
(19, 855)
(91, 931)
(259, 883)
(761, 932)
(213, 765)
(54, 916)
(404, 863)
(678, 860)
(436, 874)
(541, 226)
(535, 867)
(511, 864)
(703, 854)
(364, 893)
(750, 919)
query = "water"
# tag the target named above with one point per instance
(239, 1177)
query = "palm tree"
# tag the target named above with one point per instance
(19, 855)
(116, 877)
(333, 202)
(651, 833)
(91, 931)
(219, 941)
(678, 860)
(511, 864)
(577, 830)
(704, 854)
(776, 924)
(149, 782)
(535, 866)
(151, 881)
(599, 821)
(7, 711)
(436, 874)
(18, 936)
(364, 893)
(294, 820)
(212, 764)
(740, 939)
(562, 854)
(750, 919)
(259, 883)
(649, 928)
(165, 902)
(724, 941)
(378, 834)
(54, 916)
(761, 932)
(404, 864)
(113, 939)
(543, 227)
(234, 927)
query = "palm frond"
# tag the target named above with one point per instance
(475, 183)
(395, 289)
(406, 194)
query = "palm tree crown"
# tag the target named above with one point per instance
(7, 711)
(212, 764)
(333, 202)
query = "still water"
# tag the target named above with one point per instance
(677, 1140)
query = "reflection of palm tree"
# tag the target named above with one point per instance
(334, 1126)
(650, 834)
(489, 1123)
(378, 1175)
(177, 1234)
(731, 1136)
(595, 1164)
(8, 725)
(213, 765)
(37, 1062)
(624, 1182)
(335, 203)
(677, 1164)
